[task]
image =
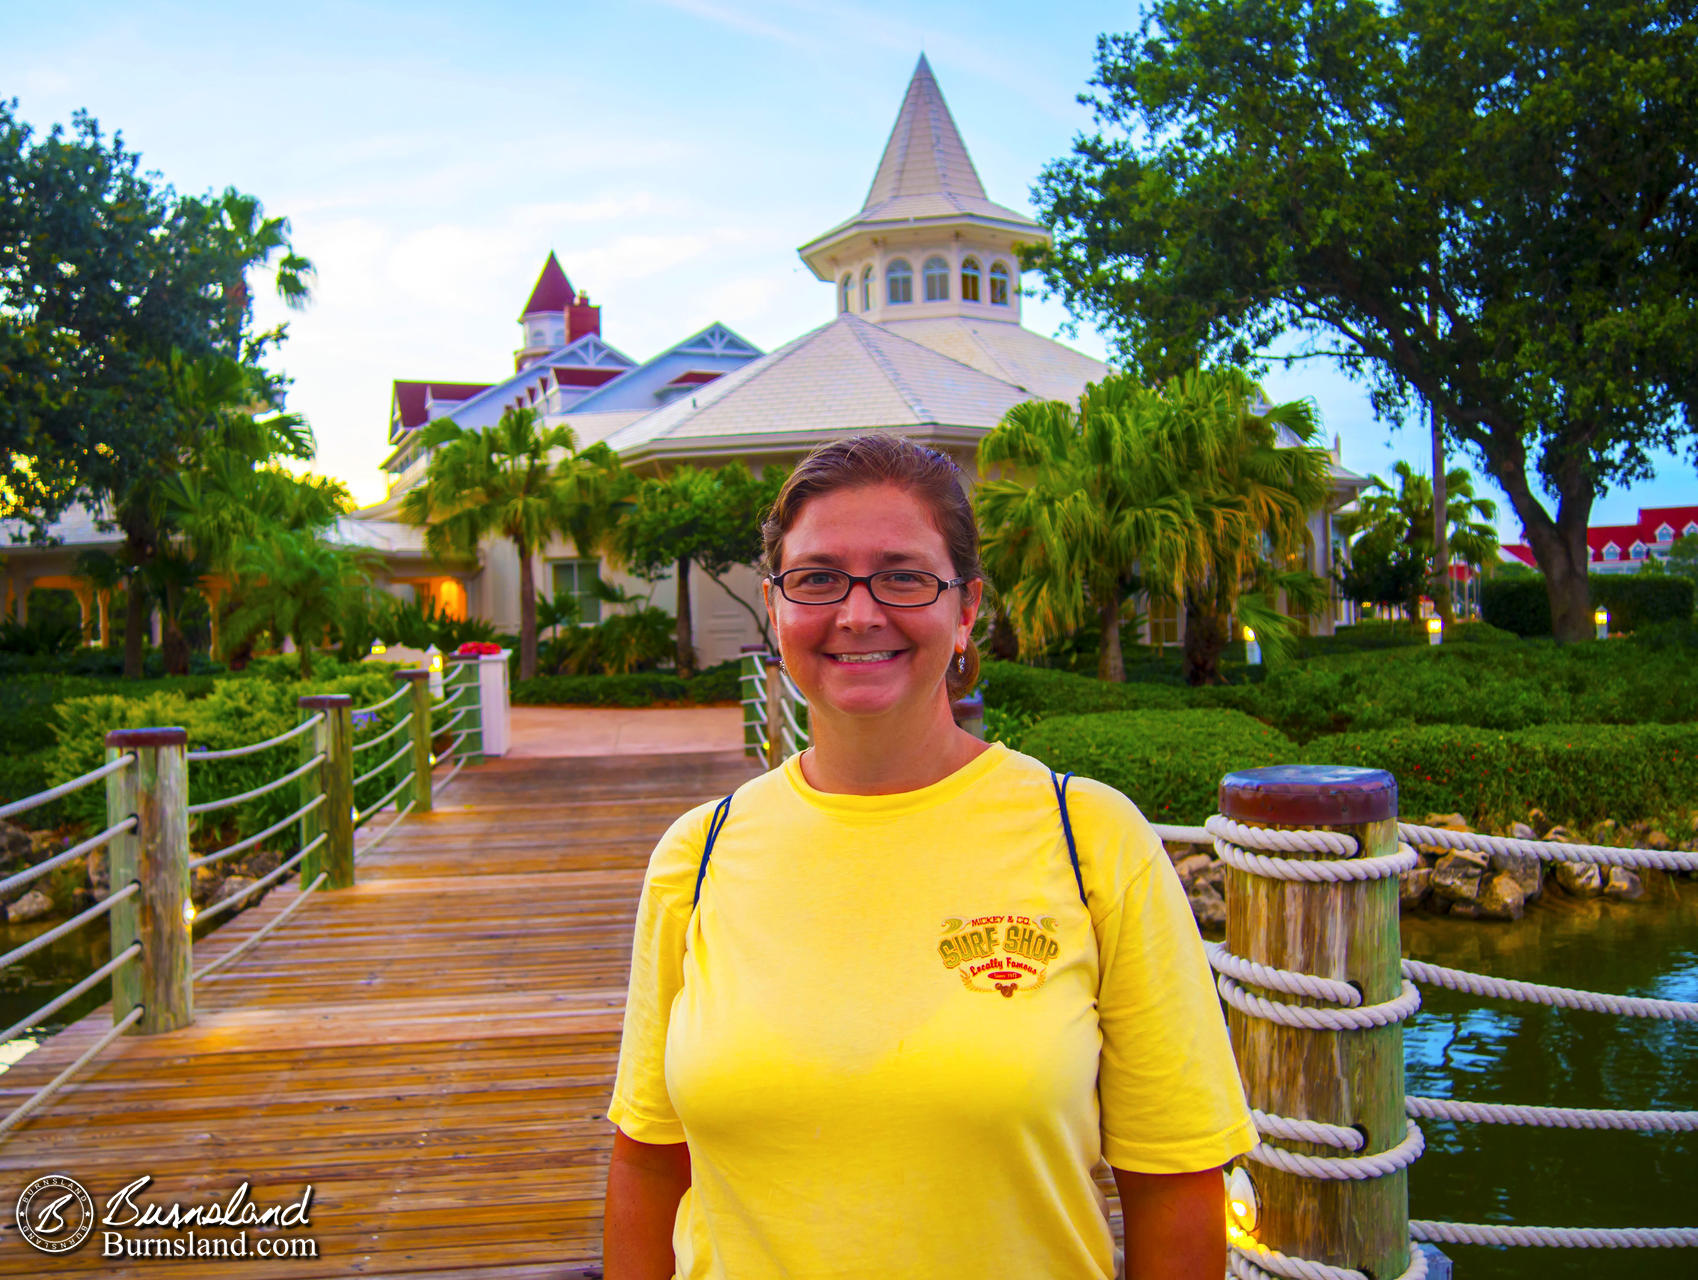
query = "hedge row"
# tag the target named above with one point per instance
(1170, 764)
(638, 689)
(1019, 689)
(1521, 605)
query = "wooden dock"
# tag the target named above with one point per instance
(432, 1050)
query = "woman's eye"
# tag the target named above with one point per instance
(902, 578)
(816, 578)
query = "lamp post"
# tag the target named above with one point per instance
(1435, 630)
(1252, 649)
(1602, 618)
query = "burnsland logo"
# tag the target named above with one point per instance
(999, 954)
(55, 1215)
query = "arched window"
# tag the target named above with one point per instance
(898, 282)
(867, 289)
(843, 292)
(969, 280)
(999, 285)
(937, 280)
(1611, 551)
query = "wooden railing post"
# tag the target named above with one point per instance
(774, 712)
(155, 855)
(419, 703)
(334, 737)
(1334, 929)
(466, 678)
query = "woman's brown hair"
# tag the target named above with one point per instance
(881, 458)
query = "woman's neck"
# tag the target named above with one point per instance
(866, 756)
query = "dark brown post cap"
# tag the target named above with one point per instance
(412, 675)
(752, 648)
(1309, 795)
(125, 739)
(324, 701)
(464, 657)
(773, 660)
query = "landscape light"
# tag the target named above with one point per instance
(1602, 618)
(1252, 650)
(1241, 1201)
(377, 647)
(188, 912)
(1435, 630)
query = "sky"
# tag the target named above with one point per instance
(672, 152)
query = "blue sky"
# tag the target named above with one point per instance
(673, 152)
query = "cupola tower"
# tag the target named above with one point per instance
(556, 316)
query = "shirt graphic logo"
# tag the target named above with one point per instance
(1000, 954)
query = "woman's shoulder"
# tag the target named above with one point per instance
(677, 857)
(1115, 842)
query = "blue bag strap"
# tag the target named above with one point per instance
(721, 812)
(1059, 782)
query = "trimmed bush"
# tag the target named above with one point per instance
(1577, 773)
(1169, 762)
(640, 689)
(28, 704)
(1017, 689)
(1521, 605)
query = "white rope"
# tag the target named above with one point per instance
(1481, 984)
(1551, 850)
(404, 749)
(1181, 835)
(211, 806)
(1250, 1260)
(387, 734)
(447, 778)
(58, 1082)
(384, 834)
(395, 697)
(219, 854)
(395, 790)
(65, 788)
(60, 859)
(1316, 1131)
(269, 925)
(1335, 842)
(65, 997)
(1378, 1164)
(1319, 871)
(233, 753)
(270, 878)
(1291, 1015)
(1555, 1237)
(1333, 990)
(1550, 1117)
(75, 922)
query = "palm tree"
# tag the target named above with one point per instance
(1085, 511)
(518, 480)
(298, 585)
(1395, 520)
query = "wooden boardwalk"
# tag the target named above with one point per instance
(431, 1050)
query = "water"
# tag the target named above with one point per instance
(1457, 1046)
(1496, 1051)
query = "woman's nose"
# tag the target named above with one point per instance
(859, 608)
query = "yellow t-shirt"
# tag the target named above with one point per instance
(897, 1043)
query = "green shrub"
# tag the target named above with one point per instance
(28, 703)
(24, 773)
(235, 713)
(1012, 687)
(1576, 773)
(640, 689)
(1169, 762)
(717, 684)
(1522, 606)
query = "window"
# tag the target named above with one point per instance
(1611, 551)
(576, 578)
(1692, 528)
(539, 335)
(1163, 622)
(999, 285)
(970, 280)
(937, 280)
(867, 289)
(1637, 551)
(1664, 533)
(843, 293)
(898, 282)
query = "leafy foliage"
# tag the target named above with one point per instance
(1479, 205)
(1632, 601)
(298, 586)
(638, 689)
(1392, 557)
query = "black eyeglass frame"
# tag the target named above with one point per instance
(943, 584)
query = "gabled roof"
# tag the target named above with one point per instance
(1041, 365)
(411, 398)
(716, 342)
(925, 172)
(1622, 536)
(848, 375)
(553, 291)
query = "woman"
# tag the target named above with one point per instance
(890, 1022)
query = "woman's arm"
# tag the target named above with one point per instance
(1175, 1224)
(645, 1181)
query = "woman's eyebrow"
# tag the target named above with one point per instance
(826, 560)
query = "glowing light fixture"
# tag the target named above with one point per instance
(377, 647)
(433, 759)
(1602, 618)
(1242, 1208)
(1252, 648)
(1435, 630)
(436, 663)
(188, 912)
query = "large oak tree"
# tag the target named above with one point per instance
(1485, 205)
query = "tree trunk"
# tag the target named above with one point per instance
(527, 615)
(1111, 664)
(686, 649)
(1003, 640)
(173, 643)
(1559, 546)
(1205, 638)
(1441, 529)
(135, 620)
(303, 647)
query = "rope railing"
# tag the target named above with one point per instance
(66, 788)
(282, 869)
(1463, 1110)
(58, 1002)
(390, 701)
(218, 855)
(447, 778)
(235, 753)
(76, 922)
(264, 931)
(46, 1092)
(387, 734)
(361, 819)
(383, 835)
(406, 749)
(29, 874)
(212, 806)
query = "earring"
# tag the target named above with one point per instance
(961, 662)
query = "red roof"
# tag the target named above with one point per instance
(693, 378)
(584, 377)
(413, 397)
(553, 290)
(1652, 520)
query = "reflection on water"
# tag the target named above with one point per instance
(36, 979)
(1495, 1051)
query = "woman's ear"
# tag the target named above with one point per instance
(767, 600)
(972, 595)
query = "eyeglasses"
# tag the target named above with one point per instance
(897, 588)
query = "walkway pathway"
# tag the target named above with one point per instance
(613, 731)
(431, 1049)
